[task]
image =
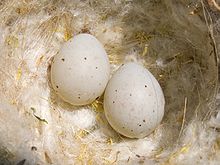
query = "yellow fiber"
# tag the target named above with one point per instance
(141, 37)
(99, 119)
(158, 153)
(97, 106)
(67, 35)
(19, 73)
(112, 161)
(183, 150)
(12, 41)
(81, 156)
(81, 133)
(39, 60)
(13, 102)
(145, 50)
(110, 141)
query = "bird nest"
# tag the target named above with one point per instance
(175, 40)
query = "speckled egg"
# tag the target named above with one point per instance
(80, 71)
(133, 101)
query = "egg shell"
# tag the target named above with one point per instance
(133, 101)
(80, 71)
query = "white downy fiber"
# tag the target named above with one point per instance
(177, 41)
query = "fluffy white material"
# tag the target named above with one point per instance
(170, 38)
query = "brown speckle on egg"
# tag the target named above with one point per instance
(33, 148)
(138, 155)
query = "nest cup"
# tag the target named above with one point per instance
(175, 40)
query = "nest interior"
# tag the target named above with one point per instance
(176, 40)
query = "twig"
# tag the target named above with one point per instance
(116, 158)
(184, 116)
(215, 4)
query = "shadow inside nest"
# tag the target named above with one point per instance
(182, 58)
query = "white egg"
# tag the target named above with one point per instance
(133, 101)
(80, 71)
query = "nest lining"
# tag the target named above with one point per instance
(176, 41)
